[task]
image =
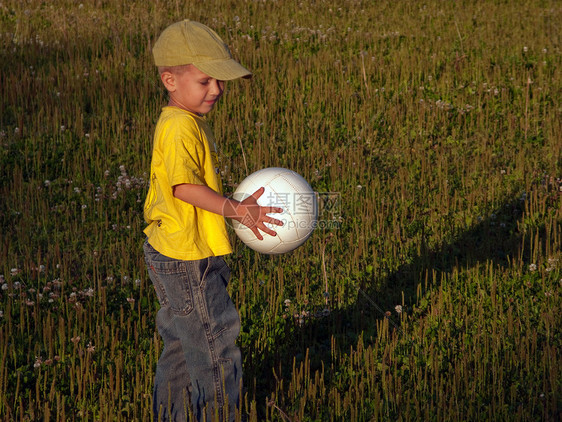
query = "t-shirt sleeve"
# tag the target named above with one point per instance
(184, 154)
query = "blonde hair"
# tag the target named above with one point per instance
(176, 70)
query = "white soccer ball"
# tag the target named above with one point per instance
(283, 189)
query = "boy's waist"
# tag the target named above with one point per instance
(187, 244)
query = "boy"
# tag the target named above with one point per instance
(200, 370)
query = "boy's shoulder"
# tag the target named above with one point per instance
(180, 124)
(179, 116)
(178, 119)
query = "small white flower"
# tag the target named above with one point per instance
(532, 267)
(525, 49)
(398, 309)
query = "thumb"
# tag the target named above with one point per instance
(258, 193)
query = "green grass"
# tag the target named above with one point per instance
(436, 124)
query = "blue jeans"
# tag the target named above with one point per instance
(199, 373)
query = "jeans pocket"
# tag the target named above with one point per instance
(171, 281)
(223, 272)
(225, 321)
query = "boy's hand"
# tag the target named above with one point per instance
(254, 216)
(247, 212)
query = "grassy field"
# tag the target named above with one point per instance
(432, 290)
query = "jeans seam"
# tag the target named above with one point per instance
(211, 341)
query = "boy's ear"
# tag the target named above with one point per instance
(169, 80)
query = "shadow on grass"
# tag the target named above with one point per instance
(496, 239)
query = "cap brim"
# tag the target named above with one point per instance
(224, 70)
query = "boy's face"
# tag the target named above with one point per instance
(192, 89)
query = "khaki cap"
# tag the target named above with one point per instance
(189, 42)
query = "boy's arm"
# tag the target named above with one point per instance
(247, 212)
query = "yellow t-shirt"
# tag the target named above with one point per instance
(183, 152)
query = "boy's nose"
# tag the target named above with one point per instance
(217, 87)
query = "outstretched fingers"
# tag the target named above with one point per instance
(272, 220)
(258, 216)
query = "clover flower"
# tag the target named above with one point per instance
(38, 362)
